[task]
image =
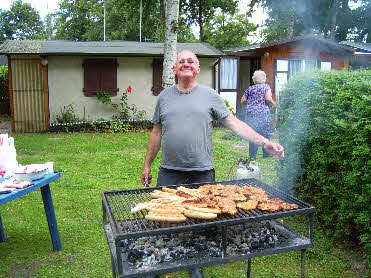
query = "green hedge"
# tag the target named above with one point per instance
(4, 91)
(325, 129)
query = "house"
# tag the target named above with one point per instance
(47, 76)
(281, 60)
(362, 56)
(3, 60)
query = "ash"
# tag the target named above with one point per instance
(206, 244)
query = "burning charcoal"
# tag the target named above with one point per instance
(214, 243)
(168, 258)
(198, 247)
(157, 256)
(142, 241)
(135, 255)
(151, 260)
(214, 252)
(244, 246)
(192, 253)
(271, 242)
(160, 243)
(254, 244)
(230, 250)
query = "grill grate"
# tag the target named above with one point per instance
(117, 206)
(120, 224)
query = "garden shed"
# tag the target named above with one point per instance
(45, 77)
(281, 60)
(362, 54)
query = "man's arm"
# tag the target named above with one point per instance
(247, 133)
(154, 145)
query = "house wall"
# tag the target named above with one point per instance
(65, 76)
(296, 50)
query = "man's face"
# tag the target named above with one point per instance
(186, 65)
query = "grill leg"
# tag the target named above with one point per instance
(248, 268)
(2, 234)
(303, 257)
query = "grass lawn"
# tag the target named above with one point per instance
(102, 162)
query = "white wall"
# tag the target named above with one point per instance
(65, 74)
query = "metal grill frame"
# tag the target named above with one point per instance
(115, 233)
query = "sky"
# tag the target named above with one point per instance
(42, 6)
(47, 6)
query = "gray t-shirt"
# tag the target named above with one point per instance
(186, 120)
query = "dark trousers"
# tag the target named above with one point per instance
(175, 177)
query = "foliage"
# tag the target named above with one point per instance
(4, 91)
(326, 118)
(125, 110)
(21, 21)
(105, 98)
(68, 115)
(93, 163)
(83, 20)
(224, 32)
(338, 20)
(202, 12)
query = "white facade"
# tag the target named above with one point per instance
(66, 82)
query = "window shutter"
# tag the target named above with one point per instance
(109, 77)
(157, 67)
(100, 74)
(91, 78)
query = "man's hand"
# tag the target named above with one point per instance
(275, 149)
(146, 177)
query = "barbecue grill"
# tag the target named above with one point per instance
(122, 227)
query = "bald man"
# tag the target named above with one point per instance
(183, 128)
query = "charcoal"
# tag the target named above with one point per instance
(215, 252)
(160, 243)
(135, 254)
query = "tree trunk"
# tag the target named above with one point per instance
(200, 21)
(332, 25)
(171, 34)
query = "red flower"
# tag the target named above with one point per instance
(129, 89)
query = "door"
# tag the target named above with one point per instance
(228, 80)
(28, 94)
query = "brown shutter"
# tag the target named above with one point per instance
(91, 78)
(157, 66)
(100, 74)
(109, 77)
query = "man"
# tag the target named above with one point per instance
(183, 128)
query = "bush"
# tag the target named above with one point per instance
(4, 91)
(325, 127)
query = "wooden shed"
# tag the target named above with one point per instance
(47, 76)
(282, 60)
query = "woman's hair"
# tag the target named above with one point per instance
(259, 77)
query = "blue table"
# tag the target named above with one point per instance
(43, 184)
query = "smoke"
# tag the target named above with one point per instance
(295, 127)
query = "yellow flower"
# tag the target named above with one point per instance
(230, 108)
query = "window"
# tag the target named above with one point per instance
(100, 74)
(325, 65)
(286, 69)
(157, 67)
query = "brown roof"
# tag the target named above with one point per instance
(258, 46)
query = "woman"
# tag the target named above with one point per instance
(258, 98)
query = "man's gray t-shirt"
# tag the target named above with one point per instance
(186, 120)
